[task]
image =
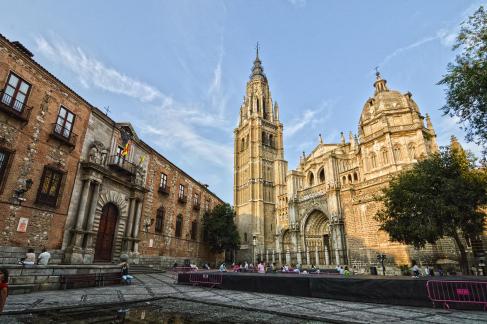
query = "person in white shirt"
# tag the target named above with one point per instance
(43, 258)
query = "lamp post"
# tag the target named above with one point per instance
(18, 197)
(381, 258)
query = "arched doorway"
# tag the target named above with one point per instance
(317, 238)
(106, 233)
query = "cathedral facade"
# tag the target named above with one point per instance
(322, 212)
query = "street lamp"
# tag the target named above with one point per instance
(381, 258)
(18, 197)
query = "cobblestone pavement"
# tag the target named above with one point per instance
(152, 286)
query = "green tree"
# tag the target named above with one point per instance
(440, 196)
(220, 229)
(466, 79)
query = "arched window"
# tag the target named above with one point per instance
(271, 140)
(355, 176)
(194, 230)
(179, 225)
(397, 153)
(159, 220)
(311, 179)
(385, 156)
(322, 175)
(344, 180)
(264, 138)
(373, 160)
(350, 178)
(412, 151)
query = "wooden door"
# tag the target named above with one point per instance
(106, 233)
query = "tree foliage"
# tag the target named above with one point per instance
(440, 196)
(466, 79)
(220, 229)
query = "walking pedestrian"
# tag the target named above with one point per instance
(3, 288)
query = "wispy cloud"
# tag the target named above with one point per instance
(407, 48)
(182, 121)
(309, 117)
(298, 3)
(92, 72)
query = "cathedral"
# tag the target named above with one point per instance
(322, 212)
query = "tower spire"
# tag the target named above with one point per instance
(257, 69)
(379, 84)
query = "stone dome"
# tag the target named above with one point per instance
(386, 100)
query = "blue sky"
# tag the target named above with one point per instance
(177, 69)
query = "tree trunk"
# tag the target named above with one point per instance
(463, 254)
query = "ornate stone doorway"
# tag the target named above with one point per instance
(317, 238)
(106, 233)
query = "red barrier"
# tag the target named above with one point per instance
(209, 279)
(467, 292)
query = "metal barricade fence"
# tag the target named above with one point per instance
(467, 292)
(206, 279)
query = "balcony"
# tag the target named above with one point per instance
(196, 206)
(14, 108)
(164, 190)
(182, 199)
(120, 164)
(64, 135)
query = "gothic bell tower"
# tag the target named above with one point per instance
(259, 167)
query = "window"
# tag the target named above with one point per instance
(349, 178)
(194, 230)
(16, 92)
(311, 179)
(344, 180)
(385, 156)
(412, 151)
(322, 176)
(271, 141)
(50, 186)
(181, 191)
(207, 205)
(242, 146)
(397, 153)
(355, 176)
(159, 220)
(179, 225)
(196, 199)
(163, 183)
(373, 160)
(64, 123)
(4, 159)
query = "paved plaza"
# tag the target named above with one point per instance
(152, 286)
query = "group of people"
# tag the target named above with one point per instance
(30, 258)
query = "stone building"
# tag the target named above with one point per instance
(323, 212)
(82, 185)
(42, 127)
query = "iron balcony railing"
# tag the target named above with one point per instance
(196, 206)
(120, 164)
(14, 107)
(164, 190)
(64, 134)
(182, 199)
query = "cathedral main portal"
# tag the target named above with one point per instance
(316, 238)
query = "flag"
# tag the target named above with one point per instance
(142, 158)
(125, 151)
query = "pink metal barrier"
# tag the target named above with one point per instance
(467, 292)
(206, 279)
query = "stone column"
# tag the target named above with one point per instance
(267, 256)
(81, 213)
(273, 256)
(279, 256)
(136, 225)
(288, 257)
(129, 225)
(307, 256)
(89, 253)
(317, 257)
(299, 256)
(327, 255)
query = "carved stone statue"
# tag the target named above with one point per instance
(94, 156)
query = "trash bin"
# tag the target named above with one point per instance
(373, 271)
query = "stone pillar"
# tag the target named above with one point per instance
(89, 248)
(307, 256)
(317, 257)
(136, 225)
(299, 256)
(288, 257)
(267, 256)
(129, 225)
(81, 213)
(279, 256)
(327, 255)
(273, 256)
(337, 256)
